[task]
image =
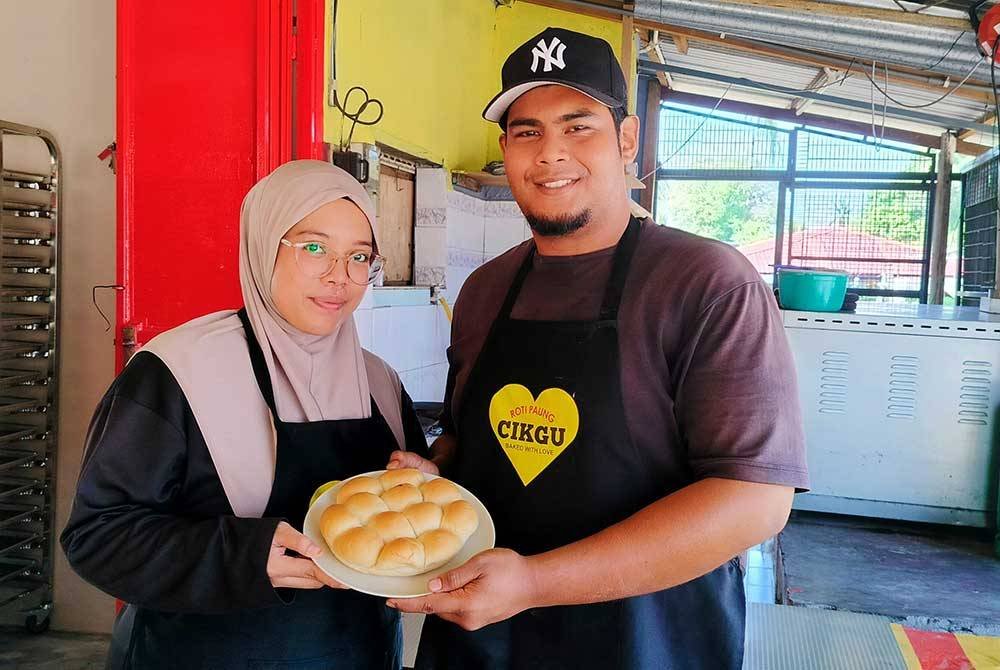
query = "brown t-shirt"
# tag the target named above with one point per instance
(707, 377)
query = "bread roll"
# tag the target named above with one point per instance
(440, 492)
(391, 526)
(365, 506)
(335, 520)
(404, 556)
(400, 497)
(440, 546)
(393, 478)
(398, 524)
(358, 547)
(358, 485)
(460, 518)
(423, 517)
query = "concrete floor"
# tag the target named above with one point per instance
(877, 572)
(929, 577)
(778, 638)
(20, 650)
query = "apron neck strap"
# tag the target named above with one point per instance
(619, 271)
(258, 363)
(616, 282)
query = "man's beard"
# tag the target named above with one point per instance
(557, 226)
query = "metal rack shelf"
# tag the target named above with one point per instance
(9, 349)
(19, 487)
(10, 434)
(30, 199)
(14, 542)
(17, 377)
(26, 227)
(19, 515)
(12, 459)
(11, 569)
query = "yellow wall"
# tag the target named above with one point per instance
(428, 63)
(435, 64)
(515, 25)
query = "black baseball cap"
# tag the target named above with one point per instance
(565, 58)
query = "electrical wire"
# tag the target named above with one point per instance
(930, 5)
(950, 49)
(996, 107)
(355, 117)
(690, 137)
(885, 101)
(926, 104)
(878, 137)
(871, 96)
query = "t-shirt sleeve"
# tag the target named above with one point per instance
(738, 403)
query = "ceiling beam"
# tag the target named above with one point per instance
(837, 9)
(949, 122)
(681, 43)
(988, 117)
(897, 75)
(844, 11)
(823, 79)
(973, 90)
(817, 121)
(583, 7)
(628, 55)
(656, 55)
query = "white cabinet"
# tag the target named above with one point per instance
(901, 412)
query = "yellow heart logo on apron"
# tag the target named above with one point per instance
(533, 432)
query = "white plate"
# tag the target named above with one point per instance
(393, 587)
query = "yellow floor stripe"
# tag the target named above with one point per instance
(909, 656)
(984, 652)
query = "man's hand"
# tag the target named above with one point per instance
(293, 572)
(493, 586)
(408, 459)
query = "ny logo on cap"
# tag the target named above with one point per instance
(551, 54)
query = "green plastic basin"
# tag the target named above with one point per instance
(812, 290)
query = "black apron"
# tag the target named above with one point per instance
(599, 479)
(322, 629)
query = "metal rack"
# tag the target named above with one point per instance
(29, 226)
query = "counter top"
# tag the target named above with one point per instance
(913, 311)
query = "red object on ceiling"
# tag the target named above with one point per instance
(205, 109)
(989, 30)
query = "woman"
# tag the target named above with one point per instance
(203, 455)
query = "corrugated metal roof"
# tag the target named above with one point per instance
(716, 58)
(945, 50)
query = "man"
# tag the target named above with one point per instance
(622, 399)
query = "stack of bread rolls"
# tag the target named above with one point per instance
(397, 524)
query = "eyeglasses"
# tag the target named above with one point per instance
(315, 260)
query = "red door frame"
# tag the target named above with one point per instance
(309, 58)
(279, 43)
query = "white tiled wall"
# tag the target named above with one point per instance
(413, 338)
(478, 231)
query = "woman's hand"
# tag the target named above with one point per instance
(290, 571)
(408, 459)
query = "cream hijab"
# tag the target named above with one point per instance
(315, 378)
